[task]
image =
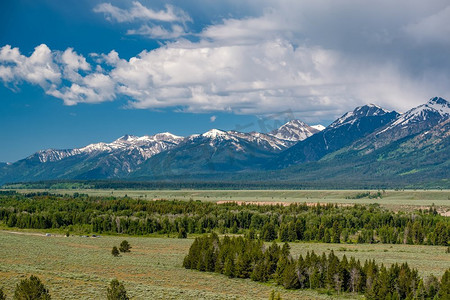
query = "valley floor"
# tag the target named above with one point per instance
(392, 199)
(81, 268)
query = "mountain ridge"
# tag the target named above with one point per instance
(294, 130)
(123, 155)
(342, 132)
(367, 145)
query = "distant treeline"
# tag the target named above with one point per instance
(212, 183)
(296, 222)
(158, 185)
(247, 258)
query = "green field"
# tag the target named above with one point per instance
(390, 198)
(77, 267)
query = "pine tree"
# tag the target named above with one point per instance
(300, 229)
(444, 289)
(234, 228)
(336, 232)
(274, 296)
(116, 291)
(279, 273)
(228, 268)
(417, 232)
(182, 234)
(431, 286)
(259, 272)
(210, 259)
(345, 235)
(441, 233)
(370, 269)
(332, 269)
(355, 279)
(31, 288)
(268, 232)
(284, 233)
(344, 273)
(243, 265)
(289, 276)
(382, 284)
(250, 234)
(421, 293)
(292, 234)
(115, 252)
(327, 236)
(320, 232)
(124, 246)
(272, 255)
(302, 272)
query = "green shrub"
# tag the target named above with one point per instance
(182, 234)
(115, 252)
(125, 246)
(116, 291)
(31, 289)
(2, 294)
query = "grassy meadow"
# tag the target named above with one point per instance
(392, 199)
(77, 267)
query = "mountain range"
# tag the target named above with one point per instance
(369, 145)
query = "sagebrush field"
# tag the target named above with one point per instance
(396, 199)
(78, 267)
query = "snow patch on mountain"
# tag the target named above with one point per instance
(265, 141)
(436, 107)
(294, 131)
(141, 148)
(146, 146)
(216, 138)
(215, 133)
(319, 127)
(362, 111)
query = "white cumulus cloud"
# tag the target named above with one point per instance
(138, 13)
(315, 58)
(39, 68)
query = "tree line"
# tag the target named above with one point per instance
(246, 258)
(232, 181)
(297, 222)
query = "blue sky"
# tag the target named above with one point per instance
(78, 72)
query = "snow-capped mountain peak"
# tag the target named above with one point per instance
(319, 127)
(359, 112)
(167, 136)
(436, 109)
(294, 130)
(440, 105)
(128, 138)
(146, 146)
(214, 133)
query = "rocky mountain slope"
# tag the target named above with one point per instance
(124, 155)
(215, 151)
(420, 160)
(295, 131)
(347, 129)
(218, 151)
(367, 147)
(414, 121)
